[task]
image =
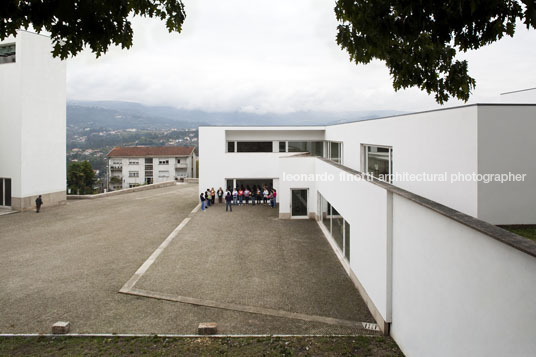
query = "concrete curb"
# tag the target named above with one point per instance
(164, 335)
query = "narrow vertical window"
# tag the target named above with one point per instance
(230, 146)
(282, 146)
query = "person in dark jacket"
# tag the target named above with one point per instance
(202, 198)
(38, 203)
(228, 201)
(220, 195)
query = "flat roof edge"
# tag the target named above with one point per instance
(379, 118)
(442, 109)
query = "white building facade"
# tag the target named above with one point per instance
(418, 235)
(134, 166)
(32, 122)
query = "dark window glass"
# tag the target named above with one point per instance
(254, 146)
(315, 148)
(326, 214)
(336, 152)
(7, 53)
(7, 190)
(230, 146)
(1, 192)
(347, 240)
(282, 146)
(337, 223)
(297, 146)
(379, 162)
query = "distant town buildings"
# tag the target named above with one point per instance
(32, 126)
(138, 165)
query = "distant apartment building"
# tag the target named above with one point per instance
(32, 122)
(138, 165)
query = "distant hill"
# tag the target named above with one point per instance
(124, 115)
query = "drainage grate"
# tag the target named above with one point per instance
(370, 326)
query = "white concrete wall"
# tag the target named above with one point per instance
(457, 292)
(364, 206)
(216, 165)
(506, 144)
(290, 166)
(11, 122)
(432, 142)
(32, 112)
(448, 290)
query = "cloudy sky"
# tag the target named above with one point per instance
(272, 56)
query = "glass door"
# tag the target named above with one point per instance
(299, 202)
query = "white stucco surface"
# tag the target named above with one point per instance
(431, 142)
(457, 292)
(32, 113)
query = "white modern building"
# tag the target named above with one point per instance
(418, 234)
(32, 122)
(137, 165)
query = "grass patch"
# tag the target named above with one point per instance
(528, 231)
(204, 346)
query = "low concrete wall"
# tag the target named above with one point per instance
(121, 192)
(28, 203)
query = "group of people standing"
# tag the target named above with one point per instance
(239, 196)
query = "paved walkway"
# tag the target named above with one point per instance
(249, 259)
(69, 262)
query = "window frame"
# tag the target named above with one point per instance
(364, 168)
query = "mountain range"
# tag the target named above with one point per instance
(125, 115)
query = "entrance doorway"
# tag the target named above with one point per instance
(5, 192)
(299, 203)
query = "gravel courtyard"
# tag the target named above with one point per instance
(69, 262)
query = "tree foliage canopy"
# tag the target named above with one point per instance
(80, 177)
(419, 39)
(74, 24)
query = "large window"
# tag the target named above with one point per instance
(231, 146)
(133, 174)
(254, 146)
(315, 148)
(7, 53)
(378, 161)
(336, 225)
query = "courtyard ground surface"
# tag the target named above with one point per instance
(69, 262)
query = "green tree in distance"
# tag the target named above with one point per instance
(419, 39)
(81, 178)
(74, 24)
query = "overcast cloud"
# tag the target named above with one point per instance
(271, 56)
